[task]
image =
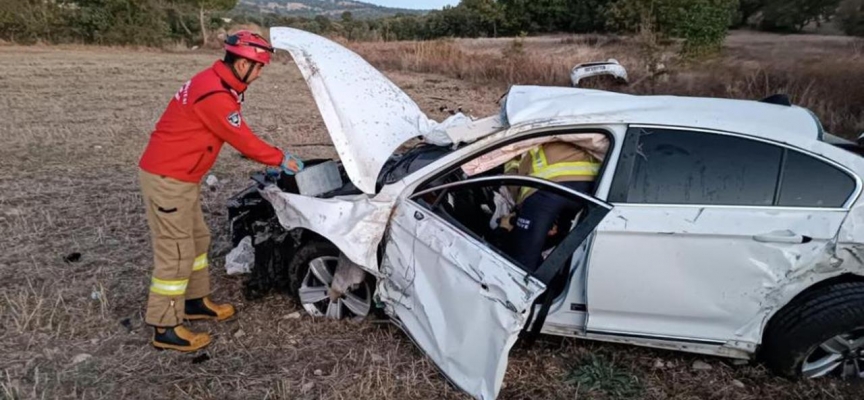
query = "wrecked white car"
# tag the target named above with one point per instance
(723, 227)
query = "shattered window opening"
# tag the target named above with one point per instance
(466, 214)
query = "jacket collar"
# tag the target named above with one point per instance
(227, 75)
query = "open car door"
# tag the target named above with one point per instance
(462, 301)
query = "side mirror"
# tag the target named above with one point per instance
(860, 139)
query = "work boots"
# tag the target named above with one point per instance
(203, 308)
(179, 338)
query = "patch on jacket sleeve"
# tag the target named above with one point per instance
(234, 119)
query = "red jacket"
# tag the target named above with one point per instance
(204, 114)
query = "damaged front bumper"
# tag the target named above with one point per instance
(251, 215)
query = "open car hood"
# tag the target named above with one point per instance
(368, 116)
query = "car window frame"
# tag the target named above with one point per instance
(593, 206)
(621, 180)
(455, 164)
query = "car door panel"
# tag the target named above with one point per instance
(708, 231)
(462, 302)
(697, 272)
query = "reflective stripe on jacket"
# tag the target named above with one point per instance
(558, 162)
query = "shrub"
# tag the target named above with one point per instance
(703, 24)
(851, 17)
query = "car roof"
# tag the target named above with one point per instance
(533, 104)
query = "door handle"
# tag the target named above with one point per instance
(783, 237)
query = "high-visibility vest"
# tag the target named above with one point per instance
(540, 168)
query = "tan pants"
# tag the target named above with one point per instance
(181, 240)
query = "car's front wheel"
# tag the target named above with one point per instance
(312, 271)
(819, 334)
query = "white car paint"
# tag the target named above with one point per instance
(719, 308)
(355, 224)
(571, 106)
(360, 105)
(735, 268)
(462, 306)
(462, 302)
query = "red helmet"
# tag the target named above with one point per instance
(249, 45)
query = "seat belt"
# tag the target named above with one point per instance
(553, 265)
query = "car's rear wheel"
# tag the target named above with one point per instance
(311, 272)
(819, 334)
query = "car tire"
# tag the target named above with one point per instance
(301, 278)
(809, 326)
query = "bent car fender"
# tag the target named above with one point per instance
(355, 224)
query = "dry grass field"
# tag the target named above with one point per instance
(75, 120)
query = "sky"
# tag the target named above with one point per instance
(415, 4)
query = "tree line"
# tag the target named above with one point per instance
(701, 23)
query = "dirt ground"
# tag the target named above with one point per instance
(75, 121)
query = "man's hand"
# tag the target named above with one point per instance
(291, 164)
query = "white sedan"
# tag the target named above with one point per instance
(723, 227)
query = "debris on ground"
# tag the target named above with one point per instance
(72, 257)
(294, 315)
(239, 334)
(307, 387)
(241, 258)
(80, 358)
(659, 364)
(95, 295)
(211, 181)
(738, 384)
(318, 372)
(701, 366)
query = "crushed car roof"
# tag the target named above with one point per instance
(532, 104)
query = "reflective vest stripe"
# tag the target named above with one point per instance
(538, 158)
(540, 168)
(200, 262)
(568, 169)
(169, 288)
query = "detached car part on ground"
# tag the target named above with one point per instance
(724, 227)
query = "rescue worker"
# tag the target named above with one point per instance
(203, 115)
(540, 211)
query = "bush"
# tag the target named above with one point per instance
(794, 15)
(703, 24)
(119, 22)
(105, 22)
(28, 21)
(851, 17)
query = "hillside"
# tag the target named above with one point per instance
(330, 8)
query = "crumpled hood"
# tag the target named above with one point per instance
(368, 116)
